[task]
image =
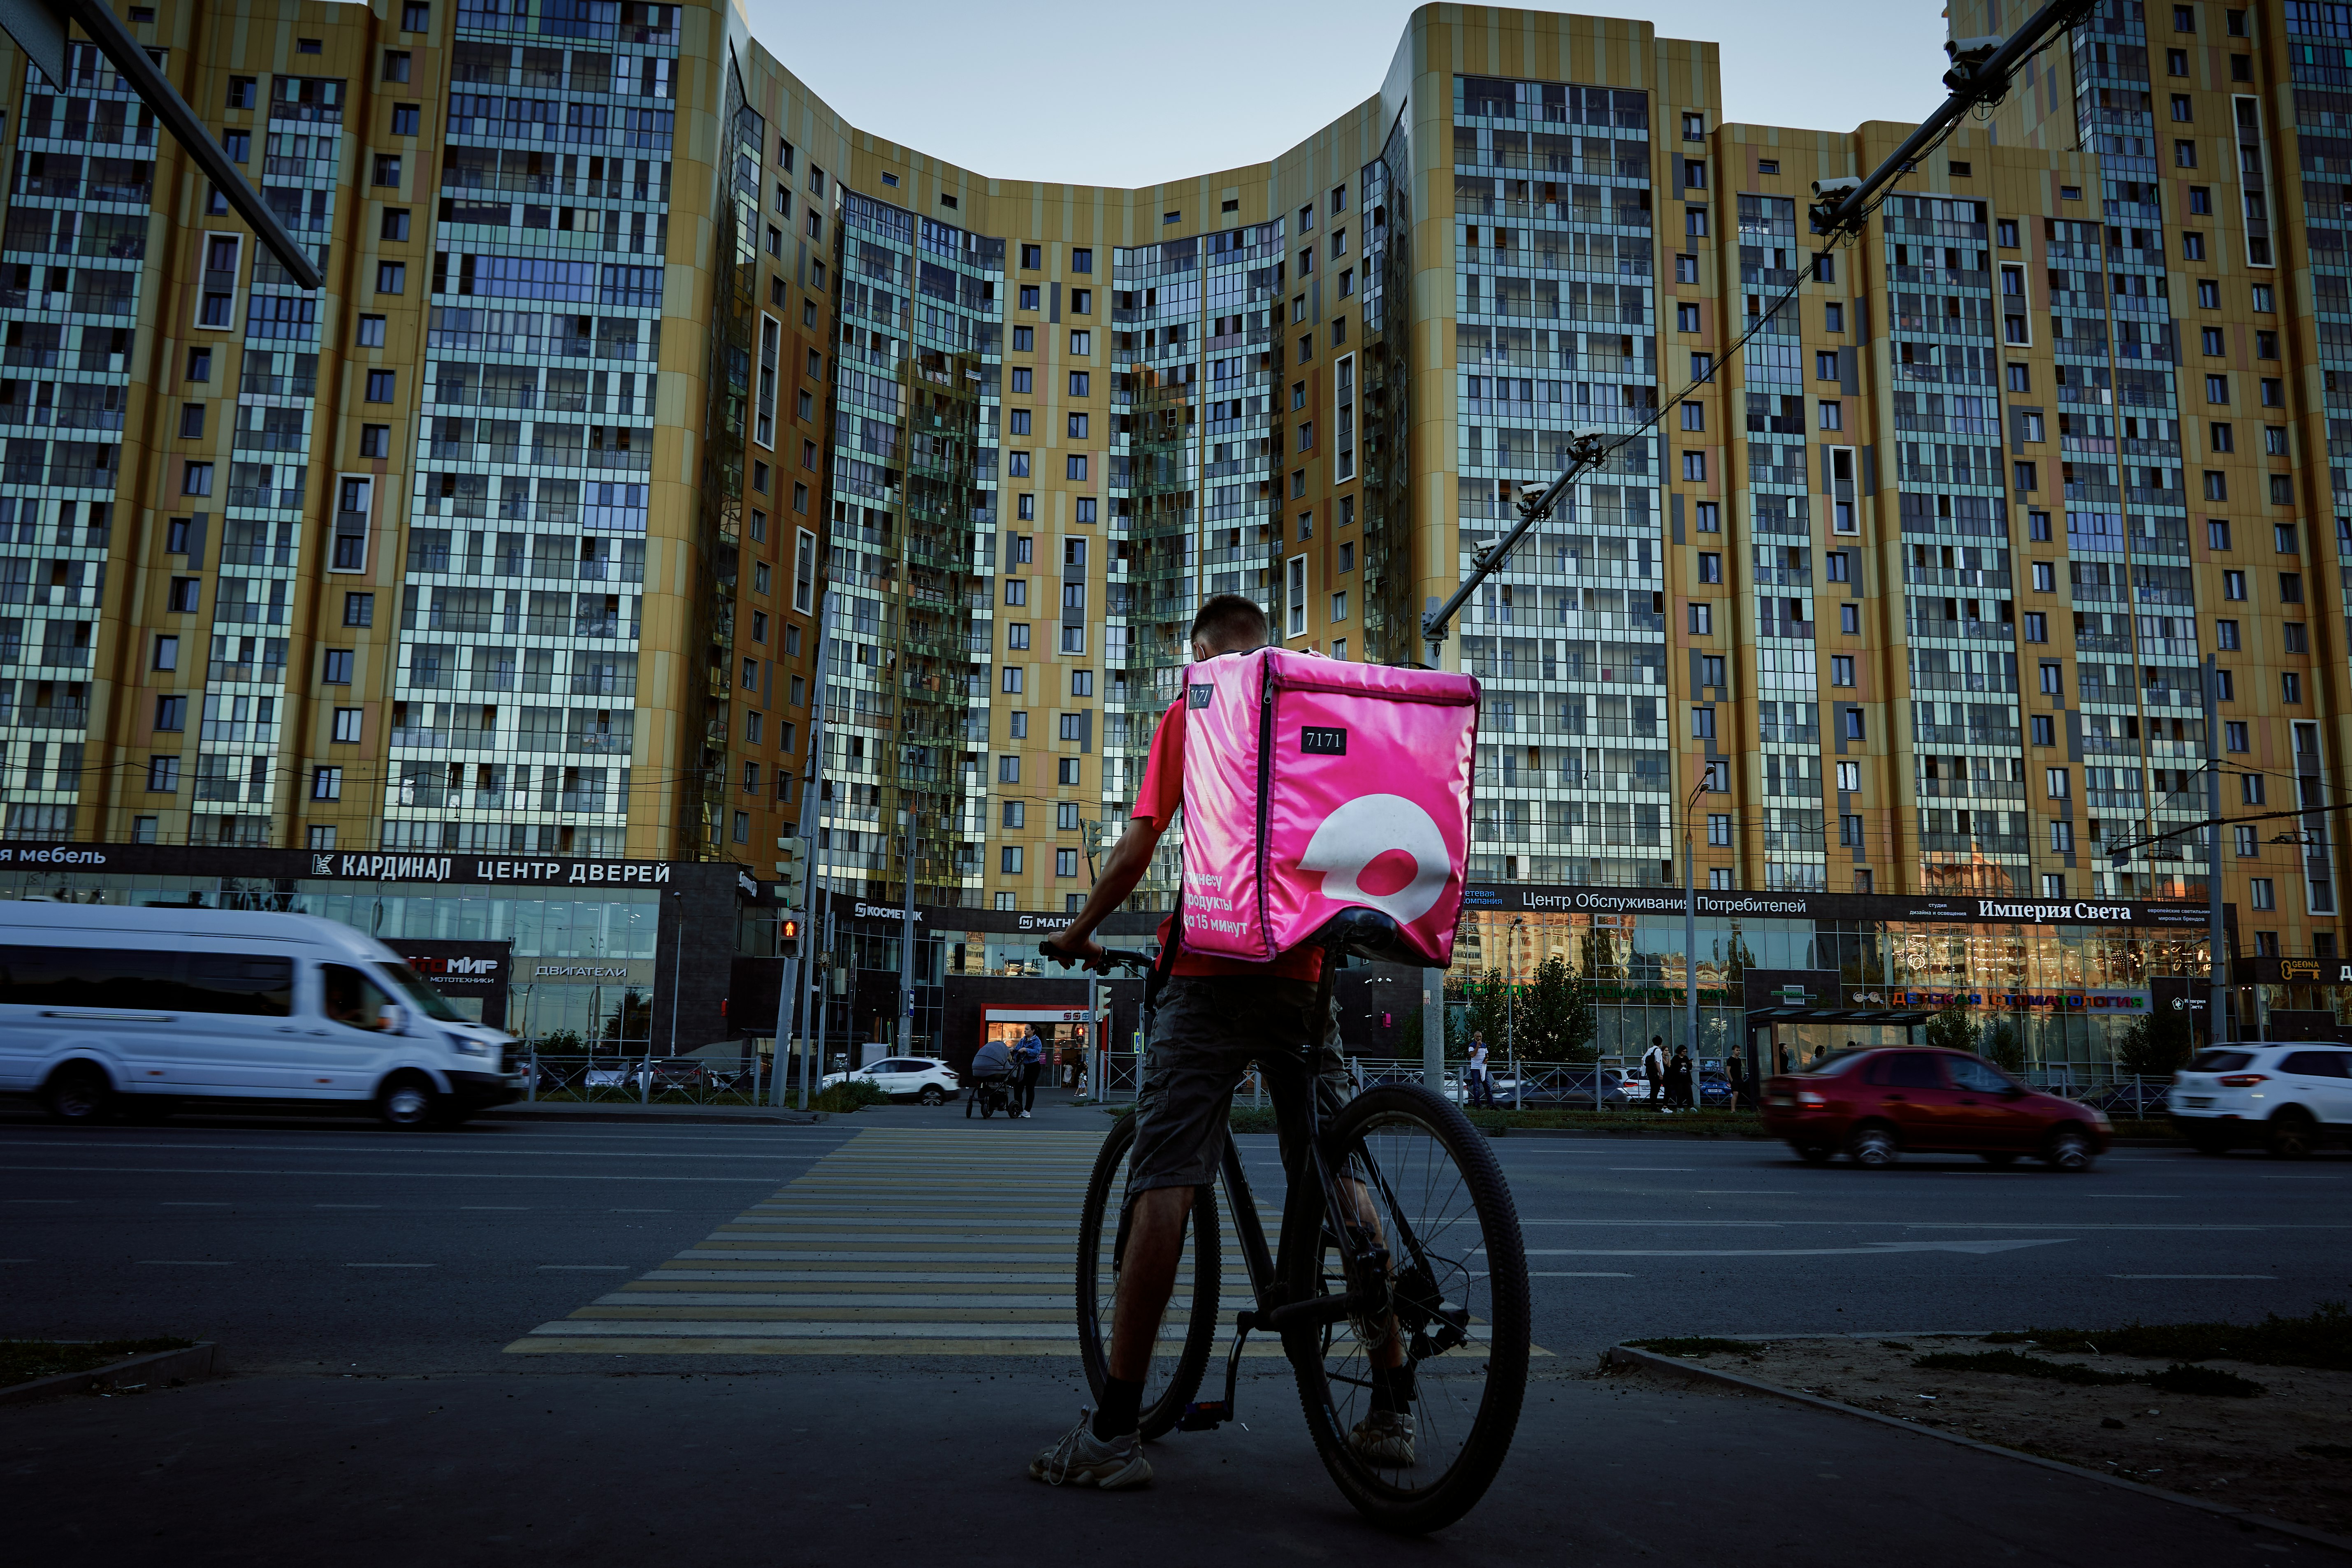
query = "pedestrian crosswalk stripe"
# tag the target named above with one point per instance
(900, 1243)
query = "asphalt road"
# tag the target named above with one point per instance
(371, 1291)
(341, 1247)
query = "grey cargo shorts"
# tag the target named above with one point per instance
(1205, 1033)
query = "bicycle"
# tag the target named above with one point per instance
(1415, 1235)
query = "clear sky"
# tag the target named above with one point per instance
(1123, 94)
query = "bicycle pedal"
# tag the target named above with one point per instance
(1204, 1415)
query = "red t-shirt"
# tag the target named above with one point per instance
(1162, 791)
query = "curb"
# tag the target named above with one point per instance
(161, 1366)
(713, 1117)
(1691, 1372)
(1737, 1133)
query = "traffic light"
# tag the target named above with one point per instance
(792, 859)
(788, 937)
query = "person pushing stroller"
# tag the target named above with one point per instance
(991, 1080)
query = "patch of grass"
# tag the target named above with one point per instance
(1695, 1345)
(22, 1361)
(2322, 1341)
(2015, 1365)
(2179, 1378)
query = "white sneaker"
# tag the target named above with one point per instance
(1383, 1438)
(1082, 1459)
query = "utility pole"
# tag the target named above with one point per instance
(2217, 991)
(1690, 941)
(907, 944)
(813, 800)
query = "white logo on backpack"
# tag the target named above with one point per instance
(1366, 828)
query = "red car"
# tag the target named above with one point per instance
(1875, 1104)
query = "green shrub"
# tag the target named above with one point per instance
(853, 1094)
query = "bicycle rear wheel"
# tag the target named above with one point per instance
(1187, 1330)
(1436, 1196)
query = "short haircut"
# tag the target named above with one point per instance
(1230, 623)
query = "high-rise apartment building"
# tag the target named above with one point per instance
(477, 596)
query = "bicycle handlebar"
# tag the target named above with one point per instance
(1124, 957)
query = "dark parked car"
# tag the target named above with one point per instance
(1875, 1104)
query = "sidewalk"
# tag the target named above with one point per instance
(839, 1464)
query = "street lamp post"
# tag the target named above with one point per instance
(1690, 941)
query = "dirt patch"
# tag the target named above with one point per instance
(2287, 1452)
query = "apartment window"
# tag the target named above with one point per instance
(1702, 620)
(2273, 392)
(359, 609)
(2250, 789)
(2225, 686)
(1339, 605)
(1852, 725)
(2217, 389)
(1031, 293)
(1702, 723)
(1686, 318)
(2037, 626)
(1850, 619)
(1825, 365)
(2053, 682)
(2234, 585)
(2180, 111)
(2200, 202)
(405, 117)
(2061, 838)
(2274, 441)
(337, 667)
(392, 276)
(2045, 729)
(1082, 260)
(1842, 670)
(2027, 476)
(1702, 367)
(2290, 587)
(243, 92)
(1710, 566)
(2233, 735)
(388, 169)
(2282, 490)
(2192, 248)
(167, 653)
(2045, 577)
(2055, 782)
(197, 479)
(1710, 517)
(2005, 234)
(1077, 426)
(192, 421)
(326, 783)
(2217, 485)
(2175, 62)
(2219, 437)
(2210, 339)
(2262, 894)
(1075, 467)
(1694, 466)
(371, 334)
(2283, 537)
(381, 384)
(2225, 636)
(200, 365)
(237, 144)
(2295, 638)
(1833, 316)
(2290, 686)
(1082, 342)
(2184, 154)
(1718, 777)
(1008, 858)
(1695, 222)
(1016, 637)
(2037, 526)
(162, 775)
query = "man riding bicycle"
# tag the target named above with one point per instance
(1214, 1017)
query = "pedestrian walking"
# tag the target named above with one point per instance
(1731, 1081)
(1654, 1070)
(1029, 1064)
(1679, 1081)
(1481, 1093)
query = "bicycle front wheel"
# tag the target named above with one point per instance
(1186, 1330)
(1426, 1189)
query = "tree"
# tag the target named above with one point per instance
(1490, 1009)
(1558, 1022)
(2154, 1043)
(1951, 1029)
(2004, 1045)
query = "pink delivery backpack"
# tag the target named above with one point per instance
(1314, 786)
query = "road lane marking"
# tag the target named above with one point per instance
(392, 1266)
(585, 1268)
(235, 1172)
(1573, 1273)
(187, 1262)
(192, 1203)
(347, 1206)
(2192, 1276)
(1867, 1249)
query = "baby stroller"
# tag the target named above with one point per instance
(991, 1081)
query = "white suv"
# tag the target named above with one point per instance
(920, 1078)
(2286, 1097)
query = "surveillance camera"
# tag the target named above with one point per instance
(1973, 51)
(1830, 190)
